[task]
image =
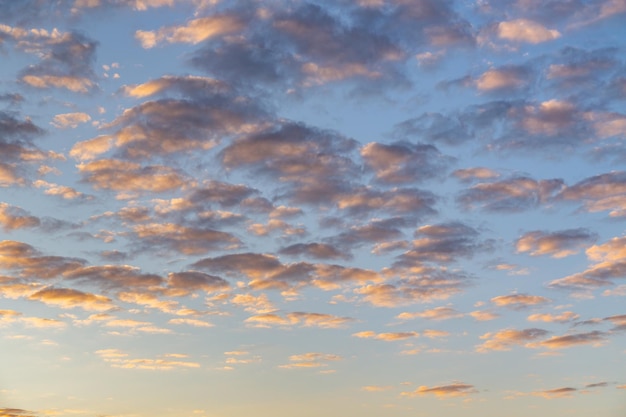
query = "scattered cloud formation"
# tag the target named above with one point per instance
(263, 192)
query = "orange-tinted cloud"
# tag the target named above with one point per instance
(387, 337)
(507, 338)
(519, 300)
(594, 338)
(70, 298)
(196, 30)
(457, 389)
(437, 313)
(310, 360)
(556, 244)
(524, 30)
(119, 359)
(565, 392)
(564, 317)
(324, 321)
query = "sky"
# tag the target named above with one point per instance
(216, 208)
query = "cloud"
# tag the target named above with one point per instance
(507, 338)
(608, 265)
(147, 300)
(70, 298)
(437, 313)
(29, 263)
(310, 360)
(133, 326)
(565, 392)
(510, 195)
(190, 322)
(65, 192)
(42, 323)
(188, 282)
(118, 359)
(127, 177)
(421, 284)
(456, 389)
(16, 412)
(376, 388)
(434, 334)
(114, 276)
(412, 202)
(604, 192)
(556, 244)
(524, 30)
(265, 271)
(18, 150)
(518, 301)
(254, 265)
(195, 31)
(403, 162)
(564, 317)
(319, 320)
(185, 240)
(66, 62)
(290, 150)
(261, 305)
(597, 385)
(376, 231)
(387, 337)
(12, 218)
(483, 315)
(444, 242)
(475, 174)
(619, 322)
(72, 120)
(315, 250)
(595, 338)
(434, 127)
(186, 113)
(503, 79)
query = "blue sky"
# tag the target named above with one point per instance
(292, 208)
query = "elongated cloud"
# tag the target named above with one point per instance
(12, 218)
(511, 195)
(71, 120)
(502, 79)
(564, 317)
(310, 360)
(437, 313)
(195, 31)
(324, 321)
(70, 298)
(519, 300)
(594, 338)
(457, 389)
(119, 359)
(565, 392)
(507, 338)
(122, 176)
(556, 244)
(607, 265)
(604, 192)
(523, 30)
(400, 162)
(387, 337)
